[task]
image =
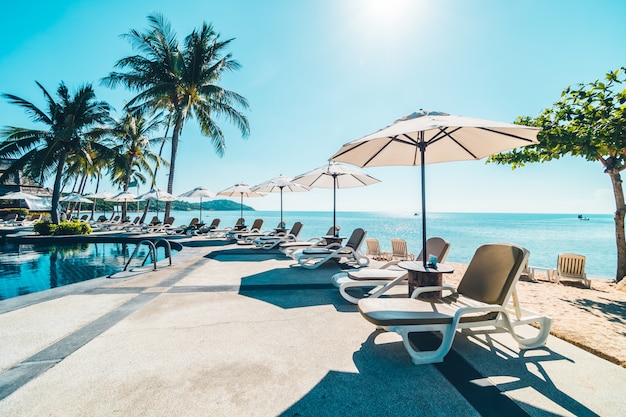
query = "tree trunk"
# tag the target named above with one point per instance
(620, 236)
(56, 190)
(170, 181)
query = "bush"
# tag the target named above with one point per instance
(46, 228)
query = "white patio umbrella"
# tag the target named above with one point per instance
(122, 197)
(240, 190)
(334, 175)
(19, 195)
(198, 192)
(280, 184)
(75, 198)
(96, 196)
(425, 137)
(157, 194)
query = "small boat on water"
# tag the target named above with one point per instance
(581, 217)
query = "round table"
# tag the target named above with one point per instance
(425, 277)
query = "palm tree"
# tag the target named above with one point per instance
(132, 149)
(41, 153)
(182, 81)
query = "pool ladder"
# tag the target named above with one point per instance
(152, 251)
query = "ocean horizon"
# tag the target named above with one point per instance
(544, 235)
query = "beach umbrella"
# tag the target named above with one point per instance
(240, 190)
(96, 196)
(198, 192)
(334, 175)
(280, 184)
(19, 195)
(425, 137)
(123, 197)
(75, 198)
(157, 194)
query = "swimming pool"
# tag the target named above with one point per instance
(29, 268)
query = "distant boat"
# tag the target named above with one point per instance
(581, 217)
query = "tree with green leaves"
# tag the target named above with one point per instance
(588, 121)
(183, 81)
(68, 121)
(132, 146)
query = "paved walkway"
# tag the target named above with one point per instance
(231, 331)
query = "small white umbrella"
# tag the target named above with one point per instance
(280, 184)
(425, 137)
(198, 192)
(157, 194)
(95, 196)
(240, 190)
(334, 175)
(122, 197)
(75, 198)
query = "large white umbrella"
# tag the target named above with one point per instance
(280, 184)
(429, 137)
(240, 190)
(19, 195)
(122, 197)
(334, 175)
(198, 192)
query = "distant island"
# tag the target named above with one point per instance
(212, 205)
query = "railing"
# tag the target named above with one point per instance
(152, 251)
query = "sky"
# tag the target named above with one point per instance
(321, 73)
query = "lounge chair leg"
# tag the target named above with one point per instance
(426, 357)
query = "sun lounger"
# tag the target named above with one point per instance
(314, 257)
(289, 248)
(271, 242)
(571, 266)
(222, 232)
(381, 280)
(374, 252)
(481, 299)
(399, 250)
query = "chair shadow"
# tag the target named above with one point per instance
(388, 384)
(614, 310)
(294, 288)
(244, 255)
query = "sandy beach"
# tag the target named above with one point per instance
(593, 319)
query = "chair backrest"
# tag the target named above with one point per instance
(373, 247)
(214, 224)
(84, 217)
(155, 220)
(102, 218)
(356, 238)
(493, 272)
(399, 250)
(257, 224)
(571, 264)
(240, 222)
(169, 220)
(295, 230)
(436, 246)
(9, 217)
(194, 222)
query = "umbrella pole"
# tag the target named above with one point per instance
(241, 207)
(281, 206)
(335, 205)
(422, 151)
(200, 209)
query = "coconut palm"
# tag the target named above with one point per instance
(42, 153)
(183, 81)
(132, 149)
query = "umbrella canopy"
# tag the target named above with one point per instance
(240, 190)
(95, 196)
(19, 195)
(158, 195)
(334, 175)
(429, 137)
(122, 197)
(75, 198)
(280, 184)
(198, 192)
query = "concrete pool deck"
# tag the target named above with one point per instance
(229, 330)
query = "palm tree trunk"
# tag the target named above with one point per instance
(56, 190)
(620, 212)
(170, 181)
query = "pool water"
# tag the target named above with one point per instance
(26, 269)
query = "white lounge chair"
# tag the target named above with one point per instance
(271, 242)
(571, 266)
(289, 248)
(374, 252)
(399, 250)
(314, 257)
(481, 299)
(380, 280)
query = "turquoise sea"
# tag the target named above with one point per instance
(544, 235)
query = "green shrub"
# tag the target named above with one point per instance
(47, 228)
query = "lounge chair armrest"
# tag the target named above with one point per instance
(391, 263)
(420, 290)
